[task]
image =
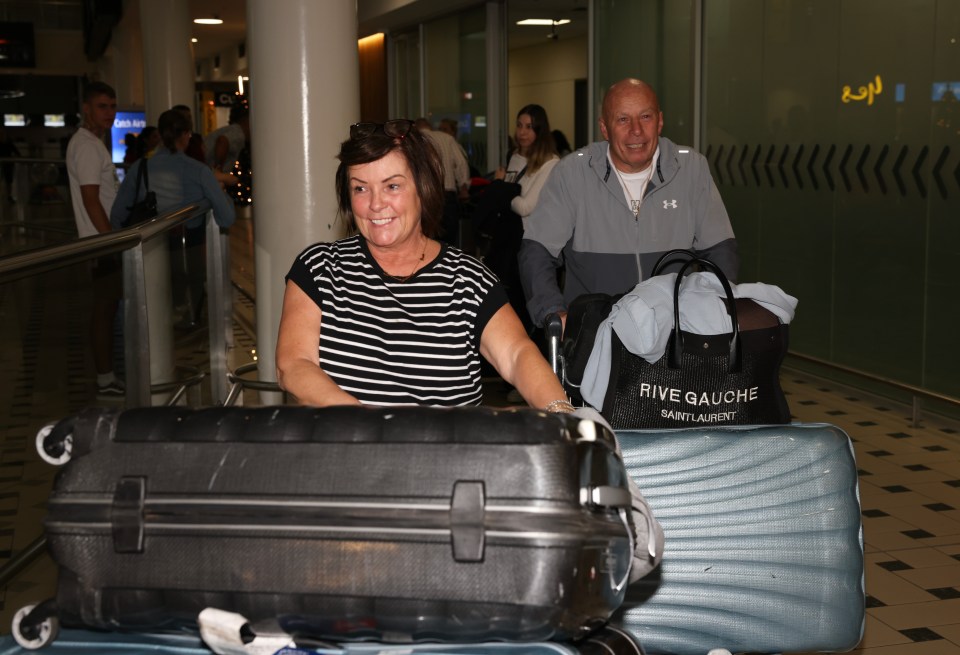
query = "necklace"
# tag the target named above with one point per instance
(635, 202)
(404, 278)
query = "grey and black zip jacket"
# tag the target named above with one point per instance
(582, 221)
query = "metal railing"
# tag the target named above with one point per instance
(129, 242)
(238, 383)
(917, 394)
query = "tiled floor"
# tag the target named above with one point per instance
(910, 496)
(909, 476)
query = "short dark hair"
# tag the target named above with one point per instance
(421, 157)
(172, 124)
(93, 89)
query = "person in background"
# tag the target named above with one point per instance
(563, 145)
(196, 150)
(149, 138)
(448, 126)
(526, 172)
(513, 197)
(611, 209)
(224, 144)
(456, 177)
(93, 188)
(530, 164)
(179, 180)
(8, 149)
(132, 153)
(391, 315)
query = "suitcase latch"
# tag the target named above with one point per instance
(127, 515)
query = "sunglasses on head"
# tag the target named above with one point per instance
(396, 129)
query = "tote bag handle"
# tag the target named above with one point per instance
(676, 346)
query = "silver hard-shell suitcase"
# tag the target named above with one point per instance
(344, 523)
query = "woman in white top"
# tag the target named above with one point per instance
(534, 158)
(514, 194)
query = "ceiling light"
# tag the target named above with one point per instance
(193, 40)
(216, 20)
(543, 21)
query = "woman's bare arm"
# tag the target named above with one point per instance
(298, 357)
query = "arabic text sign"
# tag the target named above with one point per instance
(867, 92)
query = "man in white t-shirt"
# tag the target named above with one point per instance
(93, 188)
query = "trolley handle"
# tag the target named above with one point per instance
(553, 326)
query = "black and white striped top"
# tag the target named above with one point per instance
(400, 343)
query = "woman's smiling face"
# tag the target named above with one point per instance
(385, 202)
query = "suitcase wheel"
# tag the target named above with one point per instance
(35, 629)
(55, 443)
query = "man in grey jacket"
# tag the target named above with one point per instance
(609, 210)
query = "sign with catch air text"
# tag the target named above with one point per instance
(126, 122)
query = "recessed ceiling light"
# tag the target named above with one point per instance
(193, 40)
(543, 21)
(208, 21)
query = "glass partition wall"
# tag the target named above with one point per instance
(832, 128)
(440, 72)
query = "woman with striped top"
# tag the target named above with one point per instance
(390, 315)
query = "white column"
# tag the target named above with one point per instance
(305, 92)
(124, 55)
(168, 81)
(167, 56)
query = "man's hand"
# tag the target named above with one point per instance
(90, 196)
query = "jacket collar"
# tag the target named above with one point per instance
(667, 163)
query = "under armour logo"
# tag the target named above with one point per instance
(669, 204)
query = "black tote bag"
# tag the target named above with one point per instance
(145, 209)
(718, 379)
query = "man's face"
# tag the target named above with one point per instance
(631, 123)
(99, 113)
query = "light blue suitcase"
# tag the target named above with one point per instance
(763, 540)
